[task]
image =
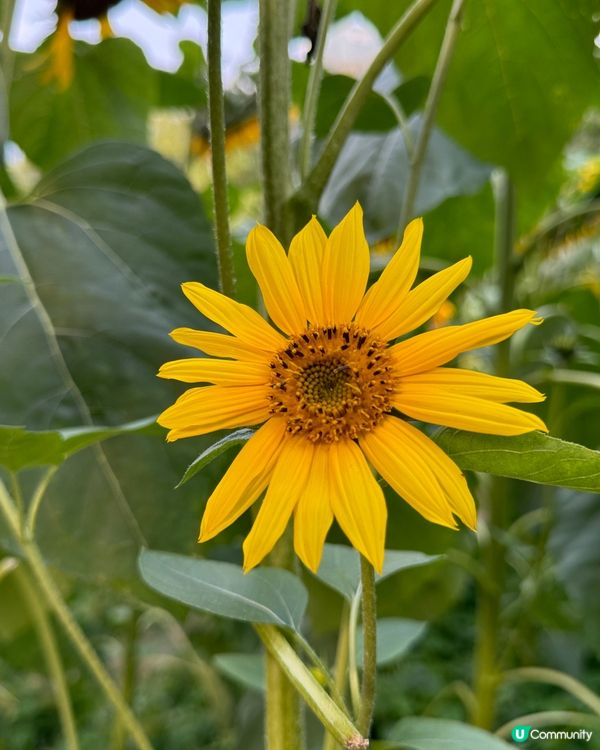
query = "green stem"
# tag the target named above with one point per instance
(429, 113)
(274, 102)
(53, 597)
(51, 653)
(487, 671)
(352, 663)
(369, 621)
(329, 714)
(128, 680)
(550, 718)
(340, 669)
(560, 679)
(216, 109)
(309, 112)
(36, 501)
(305, 199)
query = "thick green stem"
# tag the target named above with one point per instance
(429, 113)
(216, 108)
(340, 668)
(128, 681)
(274, 102)
(369, 622)
(51, 653)
(309, 112)
(487, 669)
(306, 198)
(53, 597)
(297, 673)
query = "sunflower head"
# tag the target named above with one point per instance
(334, 395)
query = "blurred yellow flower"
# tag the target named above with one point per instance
(333, 397)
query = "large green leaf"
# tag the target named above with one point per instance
(442, 734)
(110, 97)
(21, 448)
(395, 635)
(373, 169)
(522, 75)
(248, 670)
(340, 566)
(102, 246)
(535, 457)
(269, 595)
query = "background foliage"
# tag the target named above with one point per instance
(109, 212)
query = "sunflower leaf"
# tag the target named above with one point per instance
(340, 566)
(247, 670)
(214, 451)
(267, 595)
(21, 448)
(534, 457)
(419, 733)
(395, 635)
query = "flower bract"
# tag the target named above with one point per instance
(335, 393)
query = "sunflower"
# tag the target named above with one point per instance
(333, 394)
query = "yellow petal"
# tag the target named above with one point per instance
(447, 473)
(357, 501)
(236, 318)
(215, 407)
(432, 348)
(345, 268)
(466, 413)
(389, 291)
(307, 251)
(392, 450)
(218, 345)
(287, 483)
(269, 264)
(477, 384)
(313, 515)
(218, 371)
(423, 301)
(244, 480)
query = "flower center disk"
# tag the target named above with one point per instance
(332, 382)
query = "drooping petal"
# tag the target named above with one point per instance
(219, 345)
(345, 268)
(405, 467)
(471, 383)
(357, 501)
(287, 484)
(423, 301)
(433, 348)
(244, 480)
(447, 473)
(306, 254)
(269, 264)
(313, 515)
(236, 318)
(389, 292)
(217, 371)
(215, 407)
(466, 413)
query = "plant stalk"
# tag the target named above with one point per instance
(487, 669)
(340, 669)
(324, 707)
(309, 112)
(274, 103)
(53, 597)
(51, 653)
(369, 622)
(431, 105)
(128, 680)
(306, 197)
(216, 109)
